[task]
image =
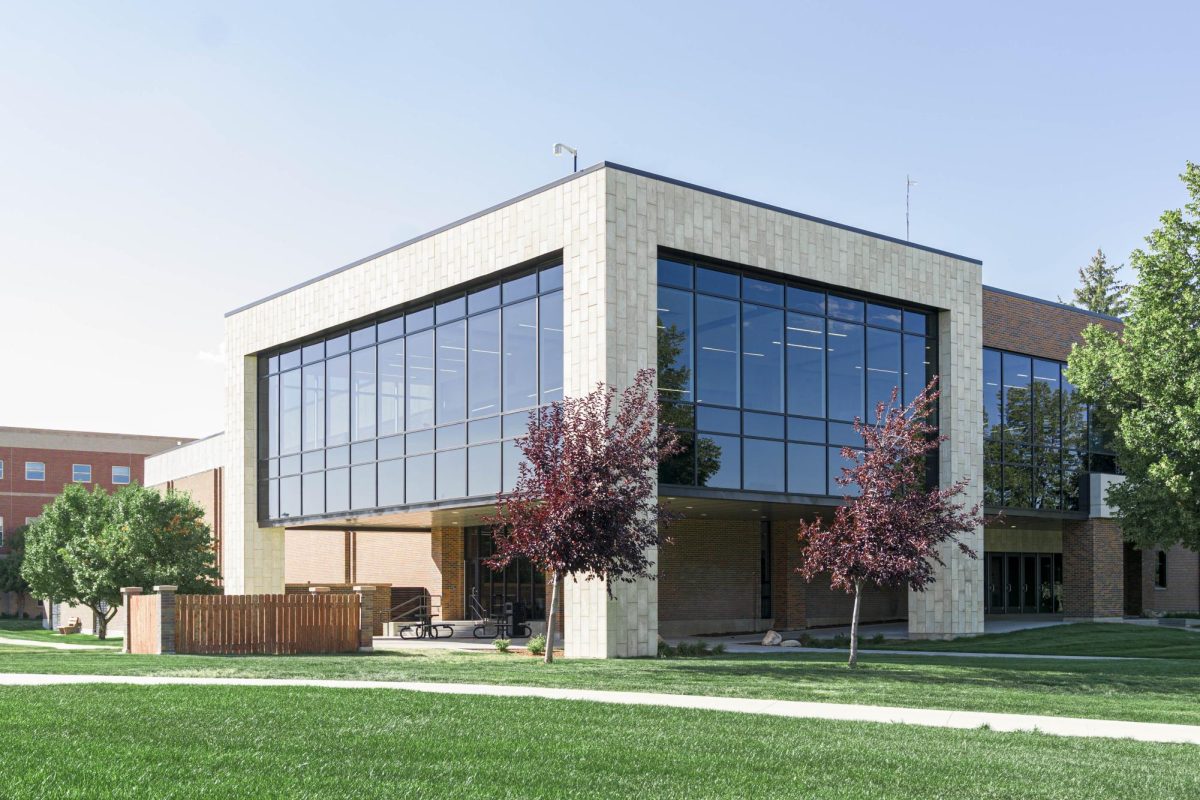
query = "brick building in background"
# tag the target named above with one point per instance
(36, 464)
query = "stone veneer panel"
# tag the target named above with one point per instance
(609, 224)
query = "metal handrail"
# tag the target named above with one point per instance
(422, 606)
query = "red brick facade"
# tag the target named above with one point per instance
(1093, 569)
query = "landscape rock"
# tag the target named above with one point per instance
(790, 643)
(772, 638)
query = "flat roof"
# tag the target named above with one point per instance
(588, 171)
(1064, 306)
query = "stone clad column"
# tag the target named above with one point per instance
(166, 618)
(127, 595)
(366, 618)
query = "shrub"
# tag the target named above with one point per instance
(718, 649)
(537, 645)
(689, 650)
(877, 638)
(501, 644)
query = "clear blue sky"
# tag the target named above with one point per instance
(161, 164)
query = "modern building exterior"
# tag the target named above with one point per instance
(37, 464)
(372, 413)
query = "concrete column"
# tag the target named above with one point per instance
(953, 604)
(166, 618)
(1093, 570)
(127, 594)
(366, 618)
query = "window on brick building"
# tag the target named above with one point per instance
(1, 469)
(120, 475)
(1, 531)
(81, 473)
(35, 470)
(1160, 570)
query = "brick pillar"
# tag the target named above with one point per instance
(788, 595)
(127, 594)
(366, 618)
(1093, 570)
(166, 618)
(447, 546)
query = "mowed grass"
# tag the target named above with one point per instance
(31, 630)
(1080, 639)
(1151, 690)
(218, 742)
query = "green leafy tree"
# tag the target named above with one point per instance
(86, 546)
(674, 382)
(1148, 378)
(11, 579)
(1099, 290)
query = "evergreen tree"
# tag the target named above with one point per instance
(1099, 289)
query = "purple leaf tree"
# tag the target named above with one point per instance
(888, 533)
(585, 500)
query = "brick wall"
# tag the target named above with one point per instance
(315, 557)
(789, 594)
(446, 544)
(710, 572)
(399, 559)
(1023, 325)
(1182, 592)
(825, 606)
(1093, 569)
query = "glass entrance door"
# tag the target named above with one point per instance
(1024, 583)
(516, 583)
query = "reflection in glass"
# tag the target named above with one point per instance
(391, 387)
(805, 365)
(846, 384)
(717, 378)
(338, 403)
(763, 468)
(550, 346)
(451, 474)
(520, 351)
(483, 469)
(762, 357)
(451, 383)
(483, 375)
(391, 483)
(806, 472)
(290, 403)
(883, 368)
(420, 380)
(674, 344)
(418, 479)
(362, 385)
(727, 460)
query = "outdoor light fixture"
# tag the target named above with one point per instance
(561, 149)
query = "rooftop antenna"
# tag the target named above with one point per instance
(907, 205)
(561, 149)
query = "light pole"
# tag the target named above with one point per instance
(561, 149)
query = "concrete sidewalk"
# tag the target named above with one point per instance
(57, 645)
(935, 718)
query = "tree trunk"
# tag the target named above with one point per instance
(101, 623)
(550, 618)
(854, 625)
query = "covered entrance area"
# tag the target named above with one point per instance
(1024, 583)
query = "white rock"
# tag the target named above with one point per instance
(790, 643)
(772, 638)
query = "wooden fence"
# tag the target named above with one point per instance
(275, 624)
(142, 625)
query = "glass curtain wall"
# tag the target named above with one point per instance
(415, 407)
(1040, 438)
(764, 378)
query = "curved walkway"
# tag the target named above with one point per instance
(1056, 726)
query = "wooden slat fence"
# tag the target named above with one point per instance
(142, 625)
(273, 624)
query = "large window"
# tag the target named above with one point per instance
(1040, 438)
(35, 470)
(764, 378)
(81, 473)
(418, 406)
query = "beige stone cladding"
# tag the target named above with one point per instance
(609, 223)
(646, 213)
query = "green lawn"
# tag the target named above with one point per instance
(202, 742)
(1081, 639)
(1153, 690)
(30, 629)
